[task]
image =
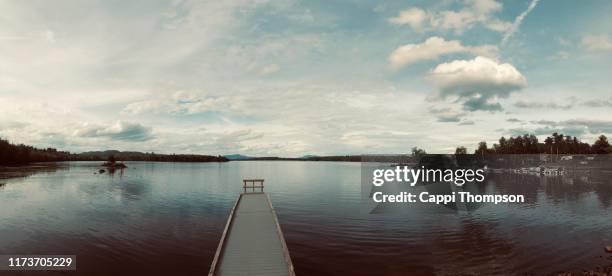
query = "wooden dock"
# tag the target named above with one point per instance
(252, 242)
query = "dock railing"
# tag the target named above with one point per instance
(228, 224)
(252, 185)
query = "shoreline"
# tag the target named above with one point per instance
(10, 172)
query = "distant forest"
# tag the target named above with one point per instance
(11, 154)
(343, 158)
(555, 144)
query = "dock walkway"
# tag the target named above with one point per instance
(252, 242)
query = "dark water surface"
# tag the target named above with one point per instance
(167, 218)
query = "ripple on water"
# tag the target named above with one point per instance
(156, 216)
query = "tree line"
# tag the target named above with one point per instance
(21, 154)
(12, 154)
(147, 156)
(554, 144)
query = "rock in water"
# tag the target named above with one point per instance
(101, 171)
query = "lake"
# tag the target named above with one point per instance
(167, 218)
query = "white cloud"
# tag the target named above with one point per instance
(595, 43)
(433, 48)
(587, 129)
(477, 83)
(498, 25)
(124, 131)
(182, 102)
(485, 6)
(475, 11)
(413, 17)
(458, 21)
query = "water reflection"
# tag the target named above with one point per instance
(475, 244)
(166, 219)
(25, 171)
(112, 172)
(561, 188)
(132, 189)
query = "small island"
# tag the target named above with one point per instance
(112, 163)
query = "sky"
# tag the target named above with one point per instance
(293, 78)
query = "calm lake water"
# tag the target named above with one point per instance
(167, 218)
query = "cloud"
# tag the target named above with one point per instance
(598, 103)
(123, 131)
(450, 115)
(475, 11)
(482, 103)
(413, 17)
(498, 25)
(447, 114)
(518, 20)
(476, 83)
(263, 55)
(588, 125)
(182, 102)
(338, 116)
(485, 6)
(597, 43)
(547, 130)
(550, 105)
(433, 48)
(582, 128)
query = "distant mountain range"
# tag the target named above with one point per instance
(245, 157)
(308, 157)
(146, 156)
(237, 157)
